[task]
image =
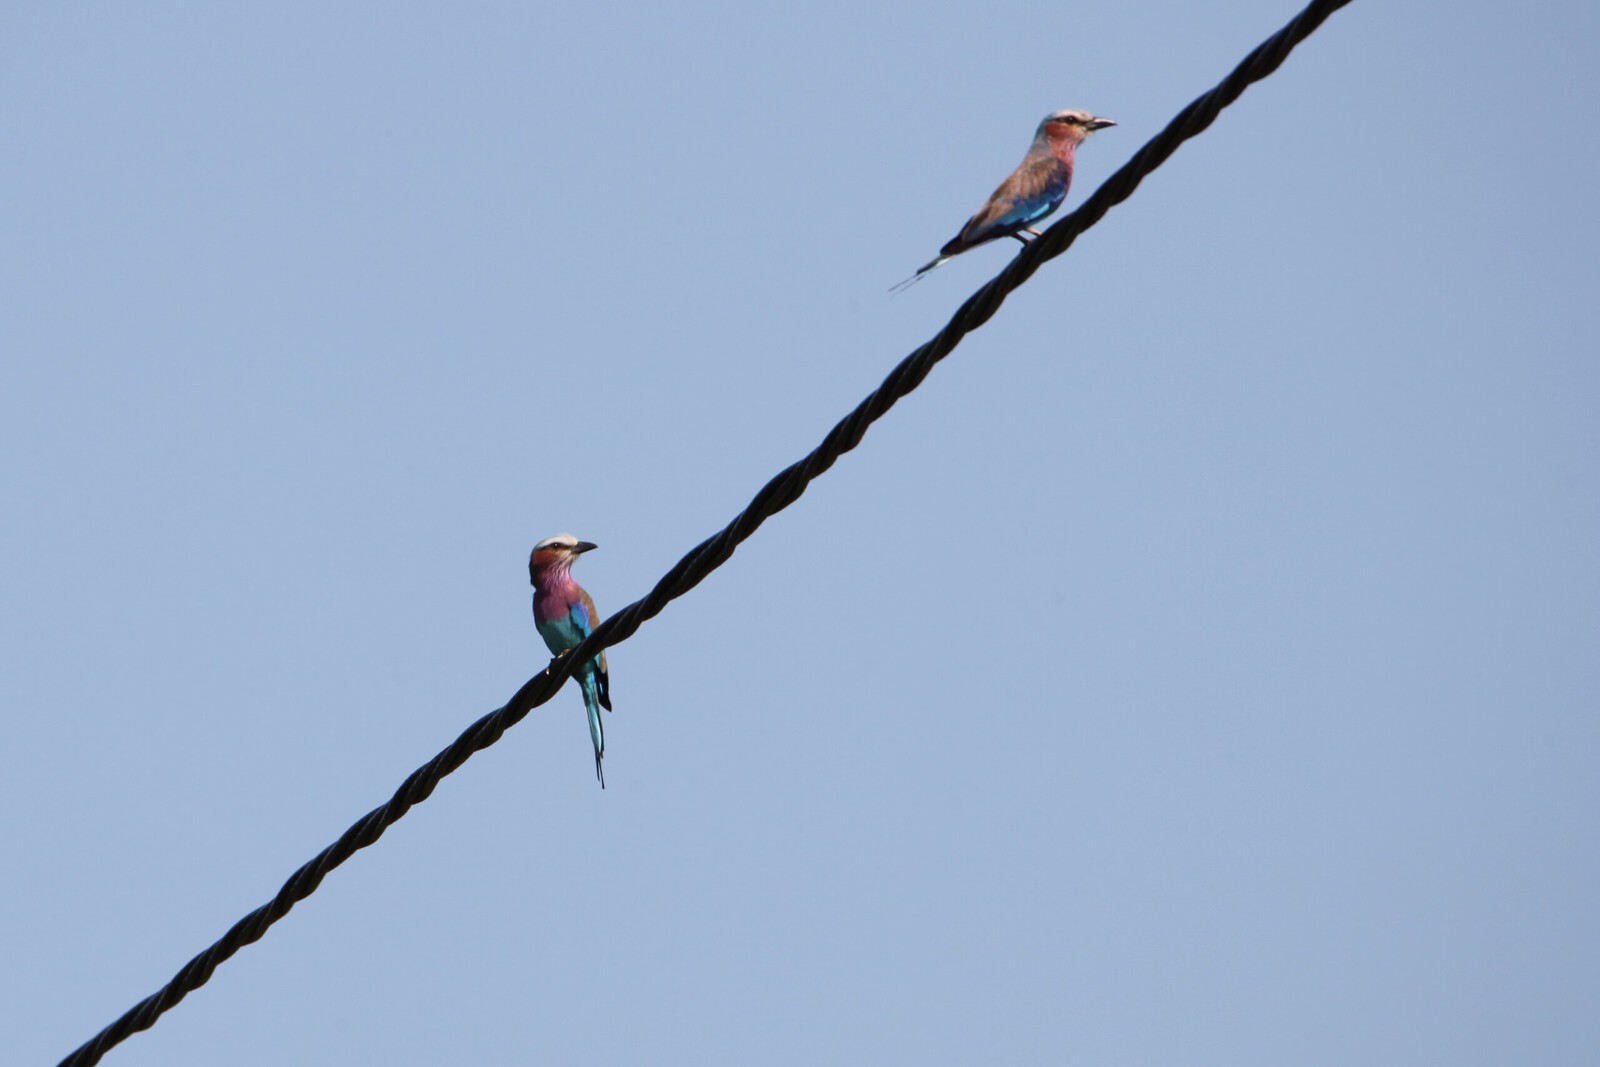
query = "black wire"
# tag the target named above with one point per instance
(692, 569)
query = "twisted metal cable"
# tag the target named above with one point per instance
(784, 489)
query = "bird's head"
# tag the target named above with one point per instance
(1071, 126)
(557, 553)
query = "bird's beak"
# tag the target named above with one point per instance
(1099, 124)
(583, 546)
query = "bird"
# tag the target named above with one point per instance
(565, 615)
(1034, 190)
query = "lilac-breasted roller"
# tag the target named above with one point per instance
(1034, 189)
(565, 615)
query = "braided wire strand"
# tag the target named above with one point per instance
(781, 491)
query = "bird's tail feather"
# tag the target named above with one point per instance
(597, 730)
(922, 272)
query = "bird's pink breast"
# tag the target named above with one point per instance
(554, 593)
(1064, 142)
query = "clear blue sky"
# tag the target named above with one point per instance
(1202, 667)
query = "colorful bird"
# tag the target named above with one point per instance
(1034, 189)
(565, 615)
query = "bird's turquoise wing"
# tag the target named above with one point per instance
(601, 677)
(1036, 189)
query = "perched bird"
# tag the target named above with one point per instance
(565, 615)
(1034, 189)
